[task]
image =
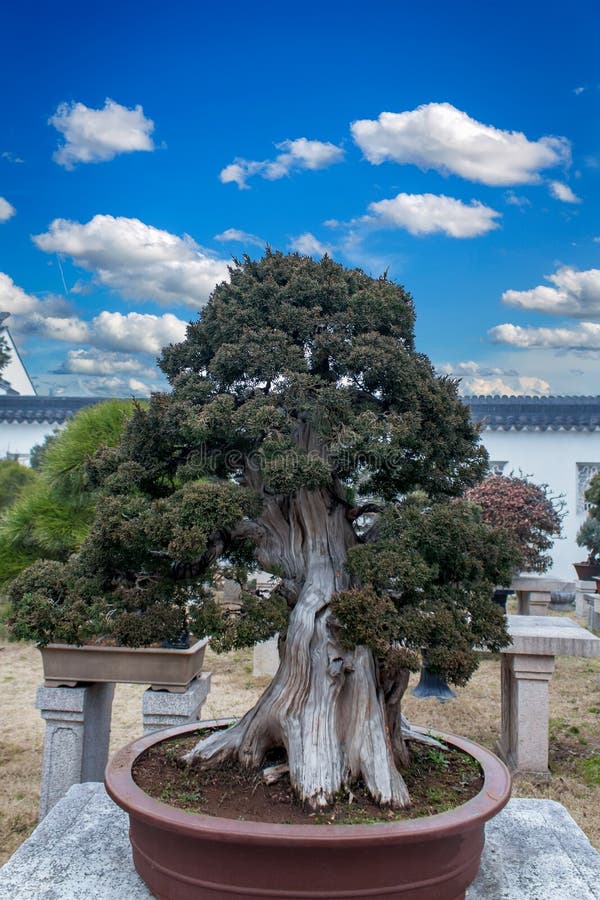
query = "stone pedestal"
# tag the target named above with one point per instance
(161, 709)
(581, 589)
(533, 603)
(266, 657)
(523, 741)
(593, 611)
(76, 739)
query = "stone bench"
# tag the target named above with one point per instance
(534, 594)
(78, 729)
(527, 667)
(534, 851)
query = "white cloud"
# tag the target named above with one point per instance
(529, 385)
(563, 192)
(585, 336)
(578, 90)
(575, 293)
(96, 362)
(17, 302)
(439, 136)
(309, 245)
(10, 157)
(479, 379)
(133, 333)
(97, 135)
(242, 237)
(6, 210)
(516, 200)
(136, 260)
(429, 213)
(298, 154)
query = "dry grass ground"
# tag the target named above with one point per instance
(574, 729)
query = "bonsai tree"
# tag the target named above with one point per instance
(304, 435)
(526, 511)
(588, 535)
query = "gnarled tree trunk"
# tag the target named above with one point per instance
(325, 705)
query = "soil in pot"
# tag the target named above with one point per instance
(436, 779)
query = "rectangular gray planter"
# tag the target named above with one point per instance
(163, 669)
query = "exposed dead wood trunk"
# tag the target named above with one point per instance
(325, 705)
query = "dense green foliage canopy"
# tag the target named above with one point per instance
(300, 379)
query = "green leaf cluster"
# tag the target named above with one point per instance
(426, 586)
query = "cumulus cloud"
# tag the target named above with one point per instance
(529, 385)
(575, 293)
(585, 336)
(6, 210)
(97, 135)
(476, 379)
(439, 136)
(96, 362)
(563, 192)
(429, 213)
(241, 237)
(295, 155)
(17, 302)
(136, 260)
(132, 333)
(309, 245)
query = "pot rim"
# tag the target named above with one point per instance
(120, 648)
(121, 787)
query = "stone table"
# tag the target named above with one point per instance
(534, 851)
(535, 593)
(527, 666)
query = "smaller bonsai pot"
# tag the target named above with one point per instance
(587, 571)
(187, 856)
(164, 669)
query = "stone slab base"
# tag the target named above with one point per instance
(534, 851)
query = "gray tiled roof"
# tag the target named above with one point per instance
(536, 413)
(54, 410)
(495, 413)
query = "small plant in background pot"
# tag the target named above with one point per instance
(588, 535)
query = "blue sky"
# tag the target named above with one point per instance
(456, 145)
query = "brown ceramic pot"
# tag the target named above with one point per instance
(587, 571)
(186, 856)
(164, 669)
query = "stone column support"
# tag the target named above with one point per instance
(525, 707)
(76, 739)
(533, 603)
(161, 709)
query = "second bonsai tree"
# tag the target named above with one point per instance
(306, 436)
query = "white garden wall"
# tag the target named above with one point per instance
(553, 458)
